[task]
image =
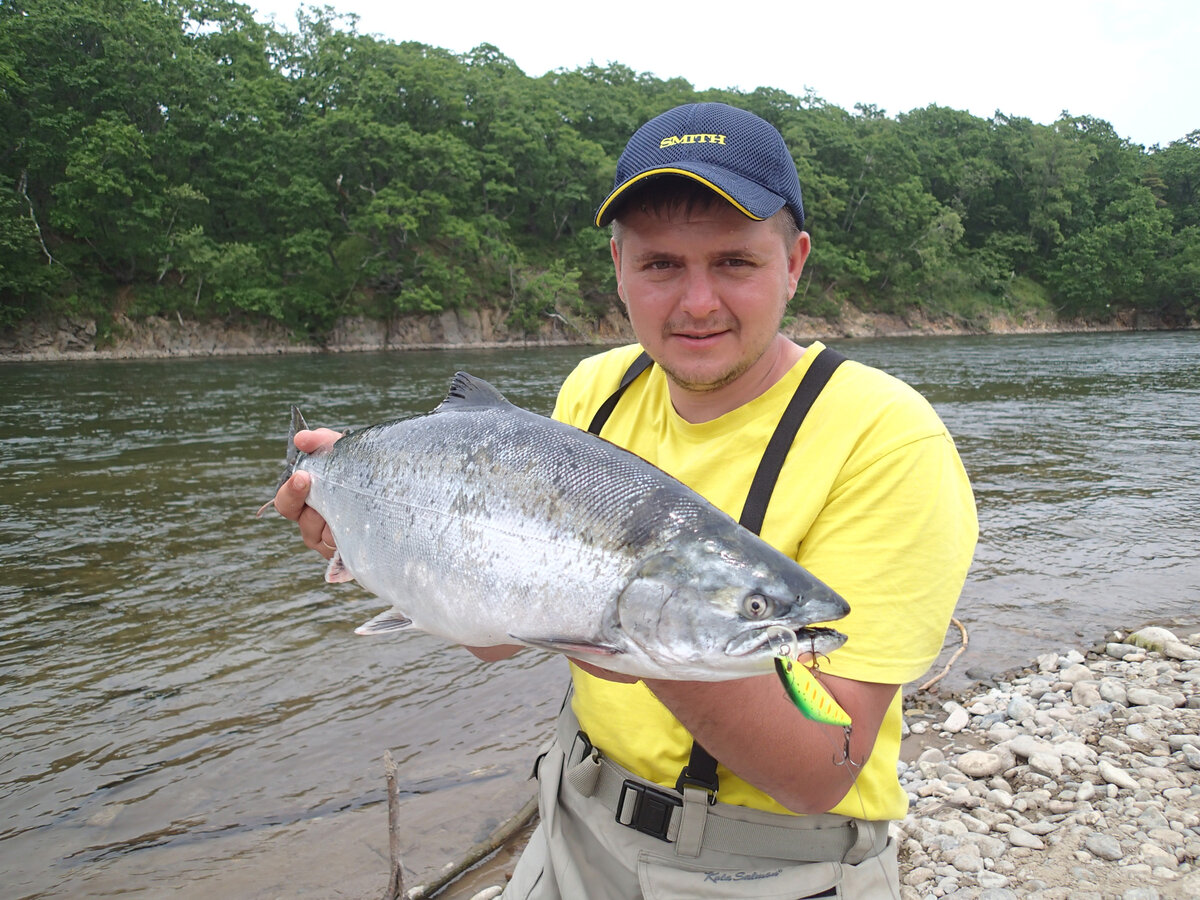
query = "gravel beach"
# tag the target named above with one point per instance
(1075, 779)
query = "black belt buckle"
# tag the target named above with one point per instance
(652, 808)
(686, 779)
(581, 749)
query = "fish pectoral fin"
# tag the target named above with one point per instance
(384, 623)
(337, 571)
(571, 646)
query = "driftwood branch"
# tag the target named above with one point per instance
(480, 851)
(395, 888)
(957, 653)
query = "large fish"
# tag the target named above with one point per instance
(487, 524)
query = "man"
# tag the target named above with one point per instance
(686, 789)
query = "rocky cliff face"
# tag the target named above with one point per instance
(159, 336)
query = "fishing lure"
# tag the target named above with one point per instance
(801, 684)
(810, 695)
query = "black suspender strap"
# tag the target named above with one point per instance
(701, 769)
(818, 374)
(639, 365)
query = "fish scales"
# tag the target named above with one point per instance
(486, 524)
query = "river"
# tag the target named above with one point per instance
(188, 712)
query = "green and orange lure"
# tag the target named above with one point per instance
(810, 695)
(800, 682)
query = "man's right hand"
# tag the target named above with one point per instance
(291, 496)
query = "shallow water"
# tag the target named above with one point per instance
(187, 709)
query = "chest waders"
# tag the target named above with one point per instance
(641, 808)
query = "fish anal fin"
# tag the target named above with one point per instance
(385, 623)
(569, 646)
(337, 572)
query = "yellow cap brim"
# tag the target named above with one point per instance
(603, 214)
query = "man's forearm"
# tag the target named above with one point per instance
(755, 731)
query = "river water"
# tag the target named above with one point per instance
(187, 711)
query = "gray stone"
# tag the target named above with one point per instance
(1112, 691)
(1085, 694)
(1153, 638)
(1116, 776)
(958, 719)
(1178, 741)
(980, 763)
(966, 859)
(1075, 673)
(1019, 837)
(921, 876)
(1025, 745)
(1103, 846)
(1123, 651)
(990, 847)
(1179, 650)
(1141, 733)
(1138, 696)
(1019, 709)
(1046, 763)
(1191, 755)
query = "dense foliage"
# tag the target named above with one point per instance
(175, 156)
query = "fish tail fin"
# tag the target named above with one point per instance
(293, 456)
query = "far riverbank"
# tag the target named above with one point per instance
(159, 337)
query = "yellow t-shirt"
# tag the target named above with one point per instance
(872, 499)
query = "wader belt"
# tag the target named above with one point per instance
(664, 814)
(701, 770)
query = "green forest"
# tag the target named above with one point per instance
(177, 157)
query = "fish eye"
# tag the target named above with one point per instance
(756, 606)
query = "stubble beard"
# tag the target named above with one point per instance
(722, 379)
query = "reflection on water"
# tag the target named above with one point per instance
(186, 707)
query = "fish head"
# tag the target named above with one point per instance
(712, 609)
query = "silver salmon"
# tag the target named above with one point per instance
(485, 524)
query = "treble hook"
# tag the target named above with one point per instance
(846, 760)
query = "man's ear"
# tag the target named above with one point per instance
(616, 258)
(796, 259)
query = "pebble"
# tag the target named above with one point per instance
(1115, 776)
(1104, 846)
(1074, 779)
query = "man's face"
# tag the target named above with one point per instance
(706, 290)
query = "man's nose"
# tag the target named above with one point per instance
(700, 298)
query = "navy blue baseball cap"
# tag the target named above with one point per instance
(728, 150)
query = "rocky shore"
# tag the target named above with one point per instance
(164, 337)
(1076, 779)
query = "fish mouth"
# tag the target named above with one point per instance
(785, 641)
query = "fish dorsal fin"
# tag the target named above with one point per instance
(469, 392)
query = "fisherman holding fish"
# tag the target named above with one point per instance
(669, 788)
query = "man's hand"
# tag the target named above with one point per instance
(291, 496)
(496, 653)
(606, 674)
